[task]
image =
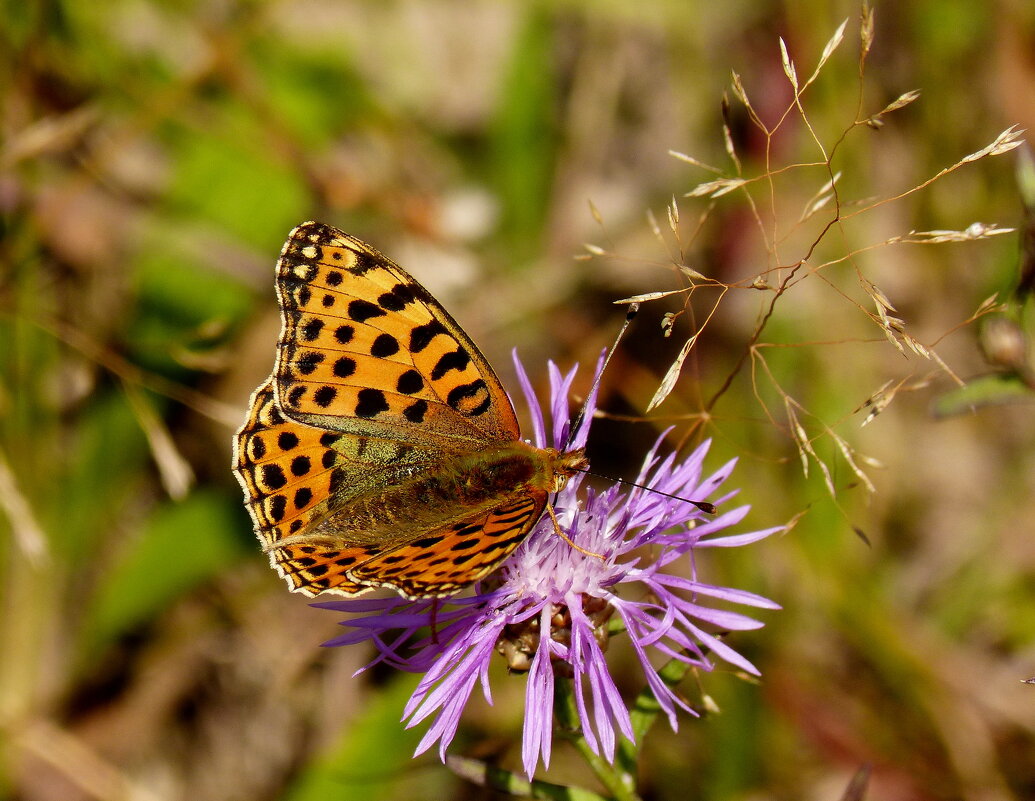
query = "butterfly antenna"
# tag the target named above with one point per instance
(704, 506)
(630, 313)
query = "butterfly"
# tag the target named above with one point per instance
(383, 451)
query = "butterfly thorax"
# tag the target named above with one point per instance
(457, 487)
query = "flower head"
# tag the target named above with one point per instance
(548, 610)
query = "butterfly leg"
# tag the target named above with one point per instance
(434, 621)
(565, 537)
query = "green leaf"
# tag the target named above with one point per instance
(178, 300)
(183, 545)
(988, 390)
(373, 759)
(234, 180)
(106, 463)
(524, 134)
(316, 92)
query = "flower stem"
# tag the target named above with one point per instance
(483, 775)
(621, 783)
(645, 710)
(646, 707)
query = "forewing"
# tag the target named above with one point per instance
(366, 349)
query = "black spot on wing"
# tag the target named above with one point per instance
(344, 367)
(311, 330)
(308, 362)
(415, 411)
(278, 507)
(363, 310)
(505, 545)
(397, 299)
(370, 403)
(470, 399)
(273, 476)
(302, 497)
(384, 346)
(421, 336)
(364, 263)
(455, 360)
(410, 383)
(324, 396)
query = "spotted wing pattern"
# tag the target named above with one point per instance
(289, 473)
(364, 343)
(286, 469)
(374, 382)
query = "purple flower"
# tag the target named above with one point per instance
(547, 610)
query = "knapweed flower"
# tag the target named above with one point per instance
(547, 610)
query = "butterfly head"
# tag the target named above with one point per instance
(565, 464)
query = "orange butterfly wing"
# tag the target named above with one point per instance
(366, 349)
(374, 385)
(446, 560)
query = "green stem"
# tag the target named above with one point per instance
(619, 780)
(477, 772)
(645, 711)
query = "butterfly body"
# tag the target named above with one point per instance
(383, 450)
(439, 495)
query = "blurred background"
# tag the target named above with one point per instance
(154, 157)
